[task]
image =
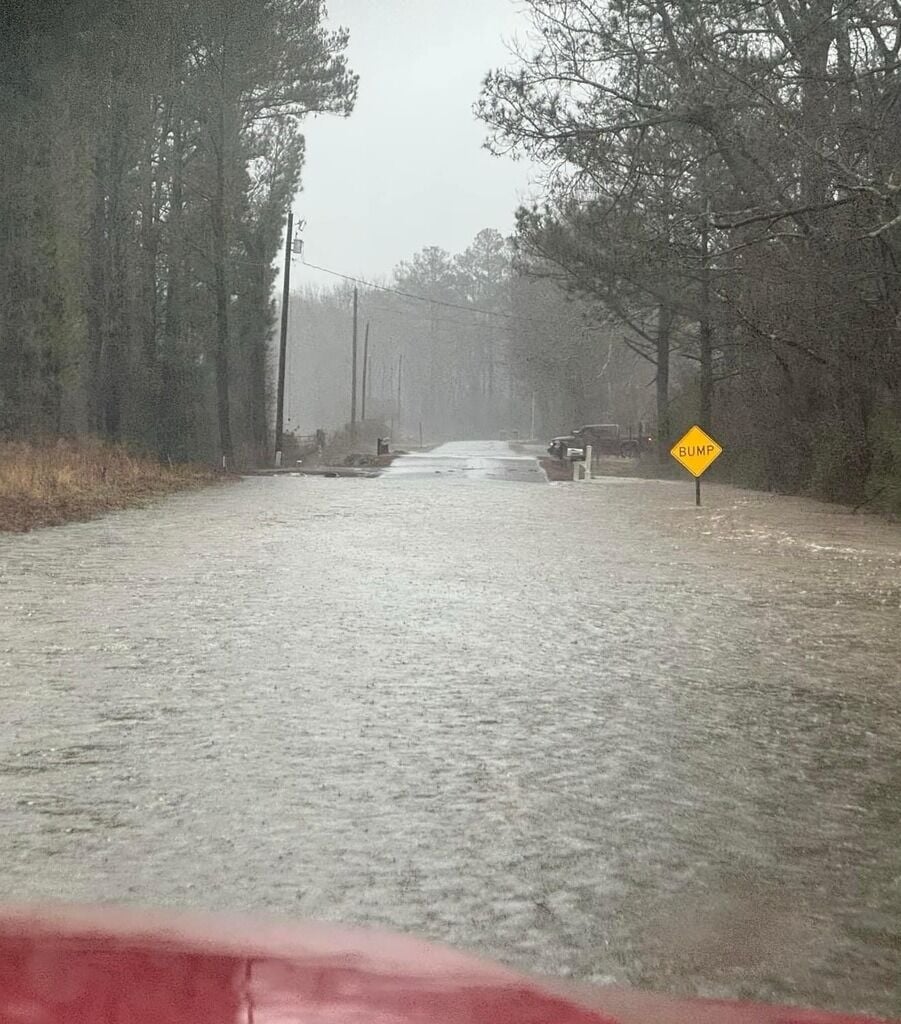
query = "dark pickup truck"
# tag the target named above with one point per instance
(604, 438)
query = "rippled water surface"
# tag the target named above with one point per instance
(587, 729)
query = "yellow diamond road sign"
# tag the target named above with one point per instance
(696, 450)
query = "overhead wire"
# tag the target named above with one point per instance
(424, 318)
(433, 302)
(236, 260)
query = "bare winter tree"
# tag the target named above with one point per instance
(761, 135)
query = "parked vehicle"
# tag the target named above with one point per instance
(604, 438)
(560, 447)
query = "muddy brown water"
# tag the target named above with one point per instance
(586, 729)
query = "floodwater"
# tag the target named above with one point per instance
(473, 460)
(588, 729)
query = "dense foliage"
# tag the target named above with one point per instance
(725, 180)
(149, 155)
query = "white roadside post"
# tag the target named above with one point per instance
(581, 467)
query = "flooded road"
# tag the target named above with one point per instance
(586, 729)
(473, 460)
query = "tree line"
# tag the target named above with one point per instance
(464, 346)
(150, 153)
(724, 180)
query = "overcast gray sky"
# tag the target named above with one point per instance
(407, 169)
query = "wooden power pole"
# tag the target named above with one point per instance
(400, 375)
(706, 328)
(283, 344)
(353, 377)
(365, 373)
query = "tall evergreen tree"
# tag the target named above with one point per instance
(151, 152)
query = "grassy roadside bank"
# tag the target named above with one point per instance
(69, 481)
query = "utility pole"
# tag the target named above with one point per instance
(387, 384)
(283, 344)
(353, 377)
(532, 426)
(706, 328)
(400, 374)
(365, 372)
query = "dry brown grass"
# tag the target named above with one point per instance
(64, 481)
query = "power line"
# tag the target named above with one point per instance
(238, 261)
(433, 302)
(392, 314)
(409, 295)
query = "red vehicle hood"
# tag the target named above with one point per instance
(119, 966)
